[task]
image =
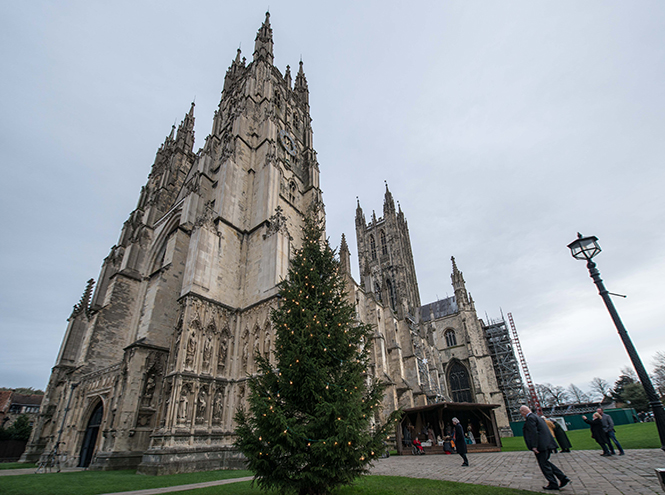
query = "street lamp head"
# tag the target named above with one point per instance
(584, 248)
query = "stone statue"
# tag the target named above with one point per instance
(191, 351)
(201, 406)
(182, 407)
(221, 359)
(207, 355)
(218, 407)
(148, 391)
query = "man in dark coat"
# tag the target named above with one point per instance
(458, 438)
(608, 428)
(538, 439)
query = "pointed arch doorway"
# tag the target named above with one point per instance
(90, 437)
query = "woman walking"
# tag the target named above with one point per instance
(598, 433)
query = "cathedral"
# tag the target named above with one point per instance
(156, 354)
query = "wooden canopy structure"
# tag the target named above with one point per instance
(478, 421)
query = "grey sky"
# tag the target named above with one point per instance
(502, 129)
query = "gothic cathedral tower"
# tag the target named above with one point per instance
(386, 260)
(153, 365)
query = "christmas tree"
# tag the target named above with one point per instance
(312, 420)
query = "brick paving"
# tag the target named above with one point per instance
(631, 474)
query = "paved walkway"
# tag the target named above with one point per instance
(631, 474)
(14, 472)
(182, 488)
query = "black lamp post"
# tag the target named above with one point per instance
(585, 248)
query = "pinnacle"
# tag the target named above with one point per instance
(344, 246)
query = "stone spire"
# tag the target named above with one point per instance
(83, 306)
(234, 71)
(360, 216)
(185, 136)
(263, 42)
(388, 202)
(459, 286)
(287, 76)
(344, 256)
(300, 87)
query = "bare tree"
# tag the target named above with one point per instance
(552, 395)
(577, 394)
(659, 372)
(599, 388)
(630, 373)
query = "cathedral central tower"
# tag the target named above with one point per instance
(159, 355)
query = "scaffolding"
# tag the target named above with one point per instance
(506, 367)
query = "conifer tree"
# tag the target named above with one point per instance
(312, 411)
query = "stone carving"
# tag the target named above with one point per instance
(202, 405)
(245, 351)
(218, 406)
(183, 404)
(207, 356)
(277, 223)
(191, 352)
(148, 390)
(223, 351)
(206, 218)
(176, 348)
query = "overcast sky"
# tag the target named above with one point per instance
(502, 128)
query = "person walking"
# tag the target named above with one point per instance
(608, 427)
(538, 439)
(458, 438)
(598, 433)
(561, 437)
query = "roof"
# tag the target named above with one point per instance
(440, 308)
(27, 400)
(5, 400)
(453, 406)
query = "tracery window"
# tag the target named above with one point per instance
(451, 338)
(384, 245)
(372, 246)
(460, 387)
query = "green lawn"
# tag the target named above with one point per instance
(378, 485)
(635, 436)
(95, 482)
(17, 465)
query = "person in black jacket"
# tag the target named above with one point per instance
(561, 437)
(538, 439)
(458, 438)
(598, 433)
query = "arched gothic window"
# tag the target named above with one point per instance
(451, 339)
(384, 246)
(391, 294)
(460, 387)
(372, 246)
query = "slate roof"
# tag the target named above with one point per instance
(440, 308)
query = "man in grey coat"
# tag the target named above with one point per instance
(538, 439)
(608, 428)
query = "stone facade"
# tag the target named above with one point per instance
(155, 358)
(425, 354)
